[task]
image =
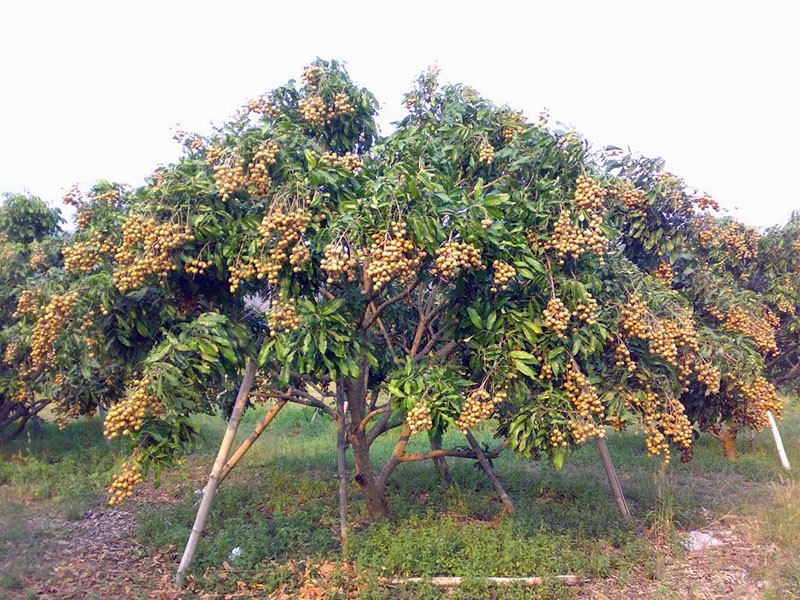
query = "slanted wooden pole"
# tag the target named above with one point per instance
(214, 479)
(447, 582)
(248, 443)
(776, 435)
(508, 506)
(341, 446)
(613, 480)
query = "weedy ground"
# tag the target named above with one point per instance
(58, 539)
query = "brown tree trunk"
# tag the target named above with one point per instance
(726, 433)
(356, 396)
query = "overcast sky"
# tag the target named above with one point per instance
(96, 90)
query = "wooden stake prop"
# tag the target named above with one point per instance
(613, 480)
(508, 506)
(214, 479)
(446, 582)
(248, 443)
(341, 445)
(778, 441)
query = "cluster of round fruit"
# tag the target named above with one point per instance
(709, 376)
(10, 352)
(282, 231)
(395, 258)
(124, 483)
(146, 250)
(557, 316)
(546, 372)
(228, 171)
(419, 418)
(52, 322)
(486, 153)
(83, 256)
(73, 197)
(663, 273)
(283, 318)
(557, 439)
(761, 397)
(197, 266)
(27, 304)
(38, 260)
(503, 273)
(242, 271)
(623, 357)
(706, 202)
(127, 415)
(339, 263)
(662, 342)
(586, 310)
(311, 76)
(786, 307)
(314, 110)
(351, 162)
(570, 240)
(742, 241)
(512, 130)
(342, 105)
(23, 394)
(83, 218)
(633, 199)
(589, 195)
(451, 257)
(478, 406)
(582, 393)
(262, 106)
(761, 331)
(584, 428)
(635, 317)
(259, 180)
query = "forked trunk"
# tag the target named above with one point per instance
(374, 495)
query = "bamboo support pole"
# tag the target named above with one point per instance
(613, 480)
(776, 435)
(214, 479)
(342, 467)
(248, 443)
(446, 582)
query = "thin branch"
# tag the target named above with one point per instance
(373, 317)
(371, 415)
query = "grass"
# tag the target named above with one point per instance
(279, 508)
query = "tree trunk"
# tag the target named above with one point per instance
(356, 396)
(374, 495)
(726, 433)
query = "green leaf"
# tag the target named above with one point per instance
(475, 317)
(524, 369)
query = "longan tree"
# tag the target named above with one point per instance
(471, 267)
(29, 248)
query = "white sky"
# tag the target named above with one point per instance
(96, 89)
